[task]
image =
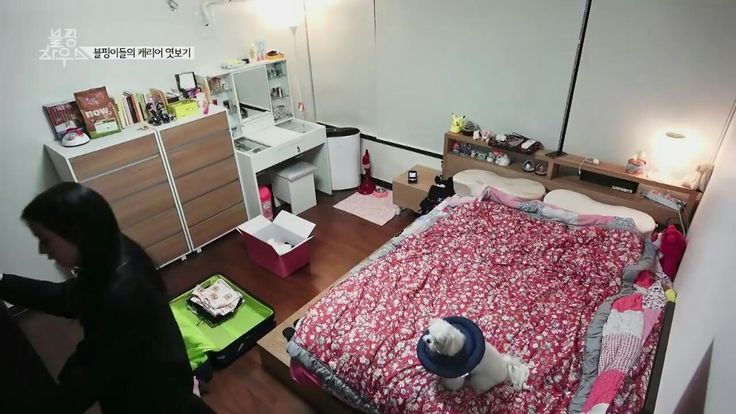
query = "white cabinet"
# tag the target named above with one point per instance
(265, 131)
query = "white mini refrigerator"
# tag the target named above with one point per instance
(344, 148)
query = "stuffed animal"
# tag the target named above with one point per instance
(457, 123)
(485, 135)
(672, 245)
(455, 349)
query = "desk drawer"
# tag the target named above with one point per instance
(213, 203)
(108, 159)
(217, 225)
(201, 153)
(207, 179)
(184, 134)
(168, 249)
(155, 228)
(129, 180)
(147, 203)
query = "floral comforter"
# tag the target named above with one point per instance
(533, 284)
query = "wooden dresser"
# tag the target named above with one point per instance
(173, 188)
(205, 174)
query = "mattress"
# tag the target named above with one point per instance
(536, 281)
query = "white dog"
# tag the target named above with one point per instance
(492, 370)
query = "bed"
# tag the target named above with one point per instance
(539, 280)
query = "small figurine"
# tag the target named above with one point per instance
(476, 135)
(481, 155)
(456, 148)
(466, 149)
(153, 118)
(485, 135)
(472, 153)
(529, 166)
(503, 159)
(457, 123)
(501, 138)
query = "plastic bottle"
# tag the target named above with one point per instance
(266, 204)
(252, 52)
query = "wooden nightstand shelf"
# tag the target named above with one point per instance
(410, 195)
(562, 173)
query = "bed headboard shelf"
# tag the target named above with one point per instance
(562, 173)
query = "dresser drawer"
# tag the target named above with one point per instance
(129, 180)
(184, 134)
(200, 153)
(207, 179)
(168, 249)
(108, 159)
(147, 203)
(154, 228)
(217, 225)
(213, 203)
(273, 156)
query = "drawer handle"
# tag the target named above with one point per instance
(298, 149)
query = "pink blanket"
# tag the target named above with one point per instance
(532, 286)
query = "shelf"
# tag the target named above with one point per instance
(280, 98)
(457, 163)
(618, 171)
(538, 155)
(277, 77)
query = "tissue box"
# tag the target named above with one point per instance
(286, 227)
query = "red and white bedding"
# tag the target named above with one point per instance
(532, 284)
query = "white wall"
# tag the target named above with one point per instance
(342, 42)
(653, 66)
(506, 64)
(705, 284)
(29, 83)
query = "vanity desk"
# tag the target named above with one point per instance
(265, 133)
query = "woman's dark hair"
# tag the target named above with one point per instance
(82, 217)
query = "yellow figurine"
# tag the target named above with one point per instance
(457, 123)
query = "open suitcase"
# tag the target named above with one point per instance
(222, 344)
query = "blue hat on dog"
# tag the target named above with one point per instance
(461, 363)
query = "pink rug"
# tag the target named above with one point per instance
(371, 208)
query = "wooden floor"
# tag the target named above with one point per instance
(341, 241)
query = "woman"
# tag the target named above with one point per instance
(132, 357)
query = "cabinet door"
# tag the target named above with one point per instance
(132, 178)
(202, 161)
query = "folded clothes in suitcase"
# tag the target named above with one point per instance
(223, 343)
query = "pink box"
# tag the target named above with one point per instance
(287, 228)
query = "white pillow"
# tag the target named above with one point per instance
(582, 204)
(472, 183)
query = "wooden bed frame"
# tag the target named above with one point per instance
(272, 347)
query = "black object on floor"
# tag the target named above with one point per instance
(24, 379)
(288, 333)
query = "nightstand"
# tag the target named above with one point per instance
(410, 195)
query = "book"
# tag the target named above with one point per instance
(129, 106)
(121, 112)
(63, 116)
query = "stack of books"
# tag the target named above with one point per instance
(132, 107)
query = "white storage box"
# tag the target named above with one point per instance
(295, 185)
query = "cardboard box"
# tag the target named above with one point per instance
(286, 227)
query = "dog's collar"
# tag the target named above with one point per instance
(462, 363)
